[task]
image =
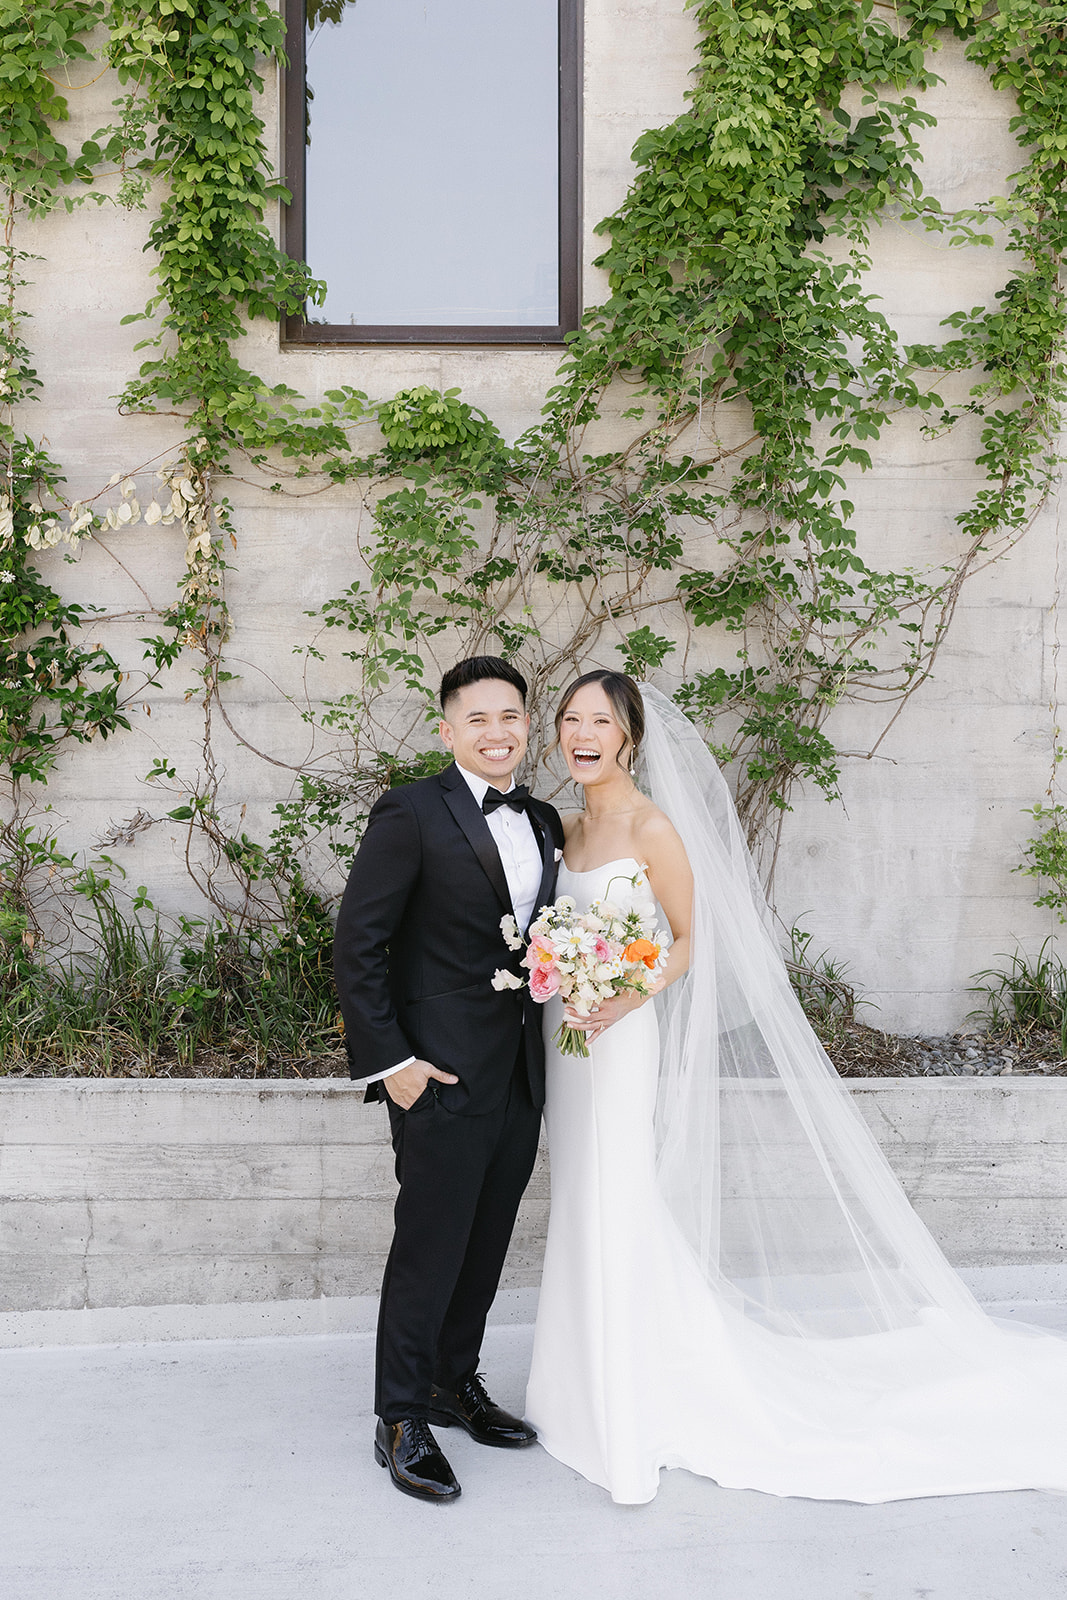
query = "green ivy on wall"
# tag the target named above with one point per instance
(739, 342)
(52, 688)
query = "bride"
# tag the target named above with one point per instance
(734, 1282)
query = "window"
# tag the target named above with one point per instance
(433, 157)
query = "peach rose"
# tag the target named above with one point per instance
(544, 982)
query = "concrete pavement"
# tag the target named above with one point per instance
(242, 1470)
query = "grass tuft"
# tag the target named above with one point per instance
(1028, 995)
(141, 995)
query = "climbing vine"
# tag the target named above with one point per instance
(52, 687)
(739, 345)
(728, 298)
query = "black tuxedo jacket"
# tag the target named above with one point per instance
(418, 941)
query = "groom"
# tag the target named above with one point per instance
(459, 1064)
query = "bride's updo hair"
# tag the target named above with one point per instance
(627, 708)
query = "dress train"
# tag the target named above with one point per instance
(644, 1360)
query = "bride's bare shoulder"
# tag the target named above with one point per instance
(659, 841)
(653, 826)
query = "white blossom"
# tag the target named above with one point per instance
(503, 979)
(44, 536)
(575, 942)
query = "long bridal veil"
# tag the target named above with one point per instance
(790, 1207)
(768, 1167)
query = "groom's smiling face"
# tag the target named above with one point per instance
(486, 727)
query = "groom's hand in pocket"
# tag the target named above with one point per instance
(405, 1087)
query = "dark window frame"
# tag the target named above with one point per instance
(296, 330)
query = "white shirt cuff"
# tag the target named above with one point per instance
(378, 1076)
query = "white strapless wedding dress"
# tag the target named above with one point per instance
(640, 1364)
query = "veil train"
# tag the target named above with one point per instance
(785, 1197)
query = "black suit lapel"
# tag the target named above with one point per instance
(548, 861)
(464, 808)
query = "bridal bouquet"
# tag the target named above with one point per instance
(584, 957)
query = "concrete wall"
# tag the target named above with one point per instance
(193, 1193)
(910, 881)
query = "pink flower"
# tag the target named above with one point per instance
(544, 982)
(542, 953)
(604, 952)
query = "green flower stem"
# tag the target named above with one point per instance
(570, 1041)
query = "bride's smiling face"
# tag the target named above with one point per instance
(591, 738)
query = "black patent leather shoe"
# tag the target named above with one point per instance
(468, 1406)
(415, 1460)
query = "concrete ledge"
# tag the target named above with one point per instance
(1023, 1294)
(185, 1193)
(263, 1319)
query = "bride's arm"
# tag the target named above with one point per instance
(671, 878)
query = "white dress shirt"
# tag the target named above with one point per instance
(520, 853)
(520, 856)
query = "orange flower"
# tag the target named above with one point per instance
(642, 950)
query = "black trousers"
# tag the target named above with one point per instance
(461, 1180)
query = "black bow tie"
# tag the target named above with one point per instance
(518, 799)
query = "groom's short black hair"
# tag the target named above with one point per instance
(478, 669)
